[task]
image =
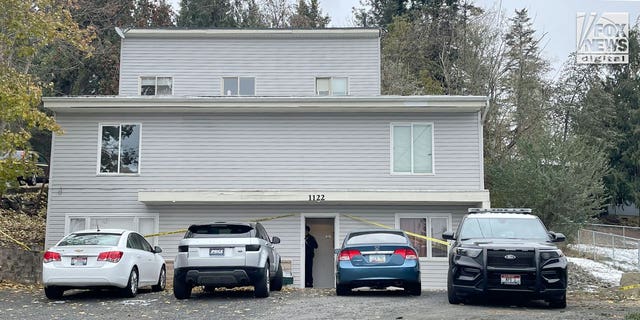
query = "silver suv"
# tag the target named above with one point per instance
(227, 254)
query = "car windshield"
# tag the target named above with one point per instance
(376, 237)
(90, 239)
(503, 228)
(209, 231)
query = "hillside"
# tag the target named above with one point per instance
(23, 216)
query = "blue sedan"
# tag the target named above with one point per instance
(377, 259)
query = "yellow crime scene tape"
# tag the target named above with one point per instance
(160, 234)
(629, 287)
(24, 246)
(388, 227)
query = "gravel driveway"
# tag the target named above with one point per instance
(295, 304)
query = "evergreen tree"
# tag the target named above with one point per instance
(309, 15)
(206, 14)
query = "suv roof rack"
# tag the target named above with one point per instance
(500, 210)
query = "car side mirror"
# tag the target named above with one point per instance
(275, 240)
(157, 249)
(448, 235)
(557, 237)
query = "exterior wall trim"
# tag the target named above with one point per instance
(330, 197)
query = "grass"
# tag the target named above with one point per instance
(632, 316)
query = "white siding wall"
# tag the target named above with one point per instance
(282, 67)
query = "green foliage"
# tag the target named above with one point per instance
(206, 14)
(309, 16)
(632, 316)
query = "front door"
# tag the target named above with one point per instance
(322, 229)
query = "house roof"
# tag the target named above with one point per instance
(253, 33)
(370, 104)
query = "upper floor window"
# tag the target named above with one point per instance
(412, 145)
(239, 86)
(119, 148)
(156, 86)
(429, 225)
(331, 86)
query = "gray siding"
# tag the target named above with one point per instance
(282, 67)
(268, 151)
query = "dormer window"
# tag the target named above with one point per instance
(156, 86)
(239, 86)
(331, 86)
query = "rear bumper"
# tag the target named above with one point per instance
(108, 276)
(219, 276)
(377, 276)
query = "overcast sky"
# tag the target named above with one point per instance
(556, 19)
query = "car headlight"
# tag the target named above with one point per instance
(469, 252)
(551, 254)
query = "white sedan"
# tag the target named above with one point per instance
(103, 259)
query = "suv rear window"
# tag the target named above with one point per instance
(90, 239)
(210, 231)
(376, 237)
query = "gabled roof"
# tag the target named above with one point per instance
(312, 104)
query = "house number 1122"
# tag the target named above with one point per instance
(316, 197)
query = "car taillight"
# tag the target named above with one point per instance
(51, 256)
(110, 256)
(346, 255)
(183, 248)
(407, 253)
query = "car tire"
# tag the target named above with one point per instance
(414, 289)
(263, 284)
(181, 289)
(276, 282)
(53, 292)
(451, 291)
(559, 303)
(162, 280)
(32, 181)
(342, 290)
(131, 289)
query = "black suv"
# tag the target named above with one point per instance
(506, 251)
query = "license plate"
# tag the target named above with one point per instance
(510, 279)
(216, 251)
(377, 258)
(79, 261)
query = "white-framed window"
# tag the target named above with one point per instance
(239, 86)
(332, 86)
(156, 86)
(119, 148)
(412, 148)
(429, 224)
(143, 224)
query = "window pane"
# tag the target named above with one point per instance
(230, 86)
(130, 148)
(146, 226)
(322, 86)
(165, 85)
(422, 149)
(438, 226)
(339, 86)
(247, 86)
(148, 86)
(77, 224)
(418, 226)
(111, 222)
(109, 149)
(401, 149)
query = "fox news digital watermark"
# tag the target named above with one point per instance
(602, 38)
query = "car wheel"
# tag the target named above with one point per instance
(32, 181)
(262, 286)
(276, 282)
(53, 293)
(342, 290)
(559, 303)
(414, 289)
(131, 290)
(451, 292)
(181, 289)
(162, 280)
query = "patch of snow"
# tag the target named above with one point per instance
(624, 259)
(599, 270)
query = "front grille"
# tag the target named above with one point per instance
(499, 259)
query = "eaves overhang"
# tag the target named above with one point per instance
(344, 33)
(185, 197)
(370, 104)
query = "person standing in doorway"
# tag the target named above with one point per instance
(309, 251)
